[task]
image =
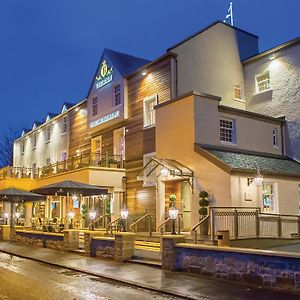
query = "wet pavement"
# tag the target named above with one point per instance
(96, 270)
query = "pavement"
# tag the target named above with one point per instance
(182, 285)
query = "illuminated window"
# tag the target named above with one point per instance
(275, 137)
(34, 141)
(149, 112)
(227, 131)
(23, 146)
(48, 134)
(117, 94)
(262, 82)
(238, 92)
(95, 106)
(64, 124)
(269, 197)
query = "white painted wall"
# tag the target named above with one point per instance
(210, 62)
(283, 99)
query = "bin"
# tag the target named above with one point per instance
(223, 238)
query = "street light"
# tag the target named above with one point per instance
(6, 215)
(92, 215)
(124, 215)
(71, 216)
(258, 179)
(173, 213)
(17, 215)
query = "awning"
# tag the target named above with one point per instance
(17, 195)
(66, 187)
(168, 168)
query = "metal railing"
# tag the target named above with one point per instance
(160, 227)
(198, 225)
(86, 159)
(134, 226)
(98, 220)
(247, 222)
(113, 226)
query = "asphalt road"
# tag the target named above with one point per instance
(22, 279)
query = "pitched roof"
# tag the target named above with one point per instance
(126, 64)
(244, 162)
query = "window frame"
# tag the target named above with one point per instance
(145, 161)
(64, 129)
(47, 134)
(233, 131)
(23, 146)
(274, 197)
(239, 86)
(34, 140)
(152, 98)
(257, 90)
(275, 139)
(95, 106)
(119, 94)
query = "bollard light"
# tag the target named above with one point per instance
(17, 215)
(124, 215)
(173, 213)
(92, 215)
(6, 215)
(71, 216)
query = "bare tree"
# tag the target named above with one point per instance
(7, 146)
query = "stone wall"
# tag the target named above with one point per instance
(102, 247)
(254, 267)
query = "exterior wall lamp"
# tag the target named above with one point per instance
(164, 172)
(258, 179)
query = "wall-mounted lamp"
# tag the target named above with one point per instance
(258, 179)
(272, 56)
(164, 172)
(144, 73)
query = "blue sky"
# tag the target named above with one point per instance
(50, 48)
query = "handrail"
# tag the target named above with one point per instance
(97, 220)
(163, 223)
(160, 228)
(109, 225)
(132, 226)
(193, 230)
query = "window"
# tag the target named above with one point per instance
(238, 92)
(227, 131)
(95, 106)
(149, 112)
(275, 137)
(23, 146)
(64, 155)
(48, 161)
(263, 82)
(34, 141)
(149, 179)
(117, 94)
(269, 197)
(48, 134)
(64, 125)
(299, 196)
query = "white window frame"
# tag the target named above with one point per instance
(95, 105)
(274, 198)
(48, 161)
(241, 89)
(23, 146)
(47, 134)
(65, 152)
(146, 158)
(34, 140)
(275, 138)
(118, 93)
(233, 134)
(257, 89)
(146, 101)
(64, 127)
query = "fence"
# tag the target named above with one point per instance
(245, 222)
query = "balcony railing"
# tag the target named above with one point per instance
(87, 159)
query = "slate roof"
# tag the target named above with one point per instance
(250, 162)
(126, 64)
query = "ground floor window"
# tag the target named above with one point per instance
(269, 197)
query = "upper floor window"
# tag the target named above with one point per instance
(95, 106)
(23, 146)
(275, 137)
(149, 177)
(34, 141)
(227, 131)
(238, 92)
(64, 125)
(262, 82)
(117, 94)
(48, 134)
(48, 161)
(149, 112)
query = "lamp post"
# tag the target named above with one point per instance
(92, 215)
(6, 215)
(173, 213)
(71, 216)
(124, 215)
(17, 215)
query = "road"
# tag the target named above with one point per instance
(22, 279)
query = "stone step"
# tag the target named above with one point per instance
(152, 263)
(147, 254)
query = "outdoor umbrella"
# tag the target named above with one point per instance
(13, 195)
(67, 187)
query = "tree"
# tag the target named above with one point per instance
(7, 146)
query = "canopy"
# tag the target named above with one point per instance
(18, 195)
(66, 187)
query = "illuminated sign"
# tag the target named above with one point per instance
(104, 119)
(105, 75)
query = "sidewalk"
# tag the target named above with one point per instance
(179, 284)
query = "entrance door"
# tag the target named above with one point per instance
(186, 196)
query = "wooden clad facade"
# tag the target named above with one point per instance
(140, 141)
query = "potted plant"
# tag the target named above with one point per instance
(203, 211)
(172, 200)
(83, 213)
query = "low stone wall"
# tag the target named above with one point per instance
(102, 247)
(40, 239)
(256, 267)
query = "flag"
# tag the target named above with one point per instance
(229, 15)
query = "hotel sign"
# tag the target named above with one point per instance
(105, 119)
(105, 76)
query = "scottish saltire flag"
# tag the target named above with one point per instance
(229, 15)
